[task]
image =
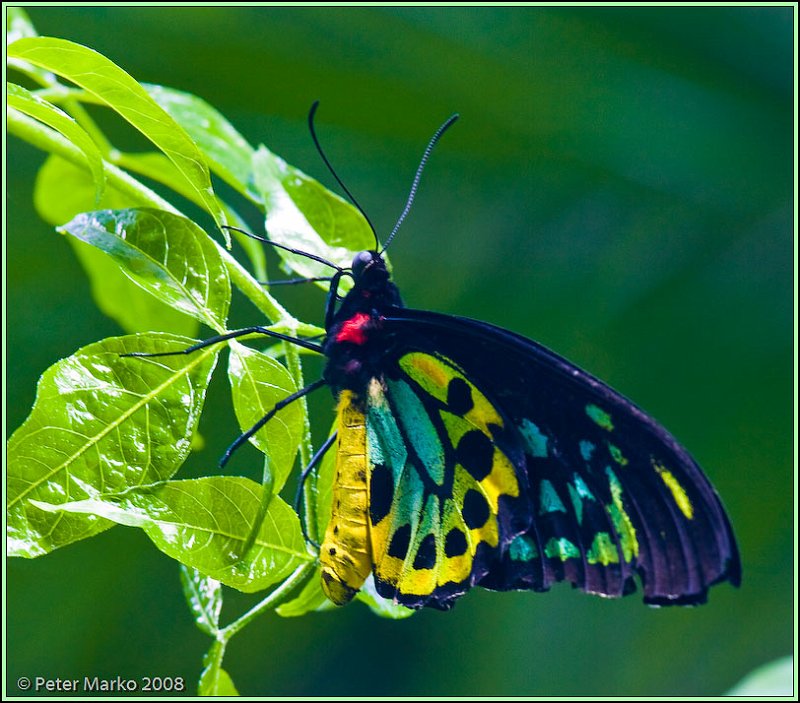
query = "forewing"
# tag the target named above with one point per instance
(610, 493)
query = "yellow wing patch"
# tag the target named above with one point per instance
(678, 492)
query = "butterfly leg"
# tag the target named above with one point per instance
(233, 335)
(242, 438)
(295, 281)
(323, 450)
(291, 250)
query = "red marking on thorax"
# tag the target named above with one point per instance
(353, 329)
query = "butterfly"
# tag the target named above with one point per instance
(467, 455)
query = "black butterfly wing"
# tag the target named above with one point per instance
(611, 493)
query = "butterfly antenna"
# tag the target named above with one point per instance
(311, 113)
(412, 194)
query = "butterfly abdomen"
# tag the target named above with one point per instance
(344, 554)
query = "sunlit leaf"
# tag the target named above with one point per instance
(206, 523)
(773, 679)
(228, 153)
(258, 383)
(159, 168)
(204, 597)
(101, 424)
(34, 106)
(103, 78)
(380, 605)
(302, 214)
(311, 598)
(166, 254)
(63, 190)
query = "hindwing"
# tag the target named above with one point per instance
(447, 486)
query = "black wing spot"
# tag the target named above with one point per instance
(475, 452)
(426, 553)
(398, 547)
(476, 509)
(455, 544)
(459, 396)
(381, 491)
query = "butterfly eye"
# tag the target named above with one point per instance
(361, 261)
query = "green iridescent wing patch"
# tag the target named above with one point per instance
(444, 482)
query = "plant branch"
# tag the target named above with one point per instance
(273, 600)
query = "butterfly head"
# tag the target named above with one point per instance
(372, 286)
(369, 270)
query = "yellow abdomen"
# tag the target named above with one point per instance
(344, 554)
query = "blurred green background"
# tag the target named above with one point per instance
(619, 188)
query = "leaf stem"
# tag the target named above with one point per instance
(241, 278)
(274, 599)
(216, 654)
(46, 139)
(295, 367)
(83, 118)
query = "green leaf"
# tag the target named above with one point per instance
(304, 215)
(773, 679)
(206, 523)
(204, 596)
(62, 190)
(258, 382)
(215, 681)
(124, 301)
(101, 424)
(167, 255)
(158, 167)
(104, 79)
(227, 151)
(34, 106)
(310, 599)
(380, 605)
